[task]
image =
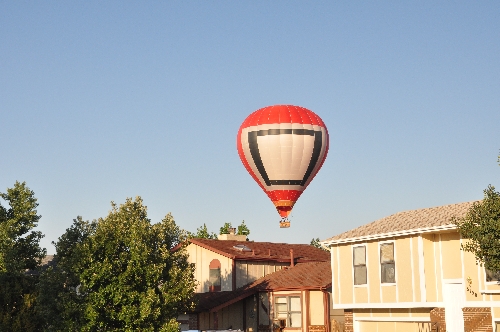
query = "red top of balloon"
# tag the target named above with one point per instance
(283, 114)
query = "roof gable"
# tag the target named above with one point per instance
(406, 222)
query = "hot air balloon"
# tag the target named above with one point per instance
(283, 147)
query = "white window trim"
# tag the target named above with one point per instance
(287, 296)
(364, 244)
(394, 319)
(362, 286)
(494, 321)
(490, 291)
(406, 305)
(488, 282)
(380, 265)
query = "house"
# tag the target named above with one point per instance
(299, 296)
(256, 286)
(406, 272)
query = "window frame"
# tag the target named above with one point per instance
(354, 266)
(493, 282)
(214, 265)
(380, 244)
(289, 311)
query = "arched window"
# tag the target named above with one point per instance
(214, 276)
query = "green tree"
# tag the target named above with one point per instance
(131, 276)
(243, 229)
(203, 233)
(60, 305)
(19, 244)
(19, 251)
(225, 228)
(481, 226)
(316, 243)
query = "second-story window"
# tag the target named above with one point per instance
(492, 276)
(387, 265)
(214, 276)
(359, 265)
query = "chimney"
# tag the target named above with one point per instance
(232, 236)
(292, 262)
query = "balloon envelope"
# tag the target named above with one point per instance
(283, 147)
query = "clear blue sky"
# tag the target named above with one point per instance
(100, 101)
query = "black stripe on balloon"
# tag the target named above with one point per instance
(318, 142)
(307, 132)
(254, 151)
(286, 182)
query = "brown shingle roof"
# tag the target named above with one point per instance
(279, 252)
(406, 221)
(314, 275)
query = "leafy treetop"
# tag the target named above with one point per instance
(133, 277)
(316, 243)
(242, 229)
(19, 251)
(481, 225)
(120, 273)
(203, 233)
(225, 228)
(19, 244)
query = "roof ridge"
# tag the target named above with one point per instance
(431, 218)
(263, 251)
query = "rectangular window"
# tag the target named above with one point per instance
(288, 308)
(359, 264)
(387, 265)
(492, 276)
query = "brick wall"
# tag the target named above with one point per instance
(348, 321)
(477, 320)
(438, 323)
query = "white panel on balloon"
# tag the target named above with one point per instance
(271, 159)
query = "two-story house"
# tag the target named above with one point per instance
(406, 272)
(258, 286)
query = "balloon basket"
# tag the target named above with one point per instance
(284, 224)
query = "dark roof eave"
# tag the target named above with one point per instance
(252, 292)
(277, 259)
(300, 288)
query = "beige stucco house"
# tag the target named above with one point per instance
(256, 286)
(406, 272)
